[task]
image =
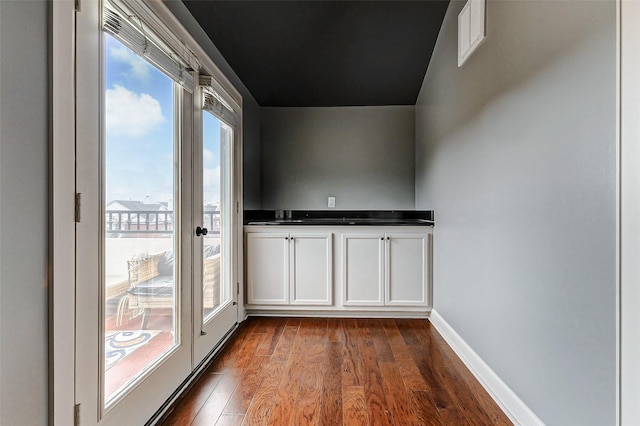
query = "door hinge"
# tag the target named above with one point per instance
(237, 206)
(78, 207)
(77, 5)
(237, 288)
(76, 415)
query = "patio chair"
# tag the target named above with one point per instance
(151, 284)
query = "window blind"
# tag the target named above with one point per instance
(215, 102)
(129, 22)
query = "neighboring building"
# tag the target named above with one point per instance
(129, 205)
(128, 217)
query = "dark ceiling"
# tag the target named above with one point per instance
(325, 53)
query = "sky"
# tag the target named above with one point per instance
(139, 122)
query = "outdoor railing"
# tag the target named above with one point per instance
(128, 223)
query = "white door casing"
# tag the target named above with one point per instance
(62, 231)
(628, 153)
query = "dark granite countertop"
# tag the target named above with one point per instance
(340, 217)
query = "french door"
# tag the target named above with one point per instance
(155, 240)
(216, 196)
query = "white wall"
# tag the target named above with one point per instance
(364, 156)
(515, 152)
(23, 212)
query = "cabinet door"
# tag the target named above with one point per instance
(311, 270)
(407, 269)
(267, 268)
(363, 277)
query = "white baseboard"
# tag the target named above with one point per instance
(509, 402)
(274, 311)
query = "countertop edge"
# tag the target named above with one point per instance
(338, 218)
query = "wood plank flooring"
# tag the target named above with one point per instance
(334, 371)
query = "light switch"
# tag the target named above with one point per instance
(331, 202)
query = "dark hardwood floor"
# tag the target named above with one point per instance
(319, 371)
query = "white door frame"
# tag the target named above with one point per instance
(629, 212)
(61, 224)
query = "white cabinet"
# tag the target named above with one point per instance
(407, 269)
(289, 268)
(371, 270)
(363, 272)
(311, 268)
(268, 268)
(385, 269)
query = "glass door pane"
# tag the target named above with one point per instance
(139, 240)
(217, 211)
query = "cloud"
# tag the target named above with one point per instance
(212, 185)
(130, 114)
(139, 68)
(208, 155)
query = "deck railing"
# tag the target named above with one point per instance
(120, 223)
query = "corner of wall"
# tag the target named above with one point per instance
(507, 400)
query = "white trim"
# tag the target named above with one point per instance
(507, 400)
(253, 311)
(618, 213)
(238, 229)
(61, 207)
(629, 219)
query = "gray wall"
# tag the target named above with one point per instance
(23, 212)
(251, 155)
(364, 156)
(250, 108)
(516, 155)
